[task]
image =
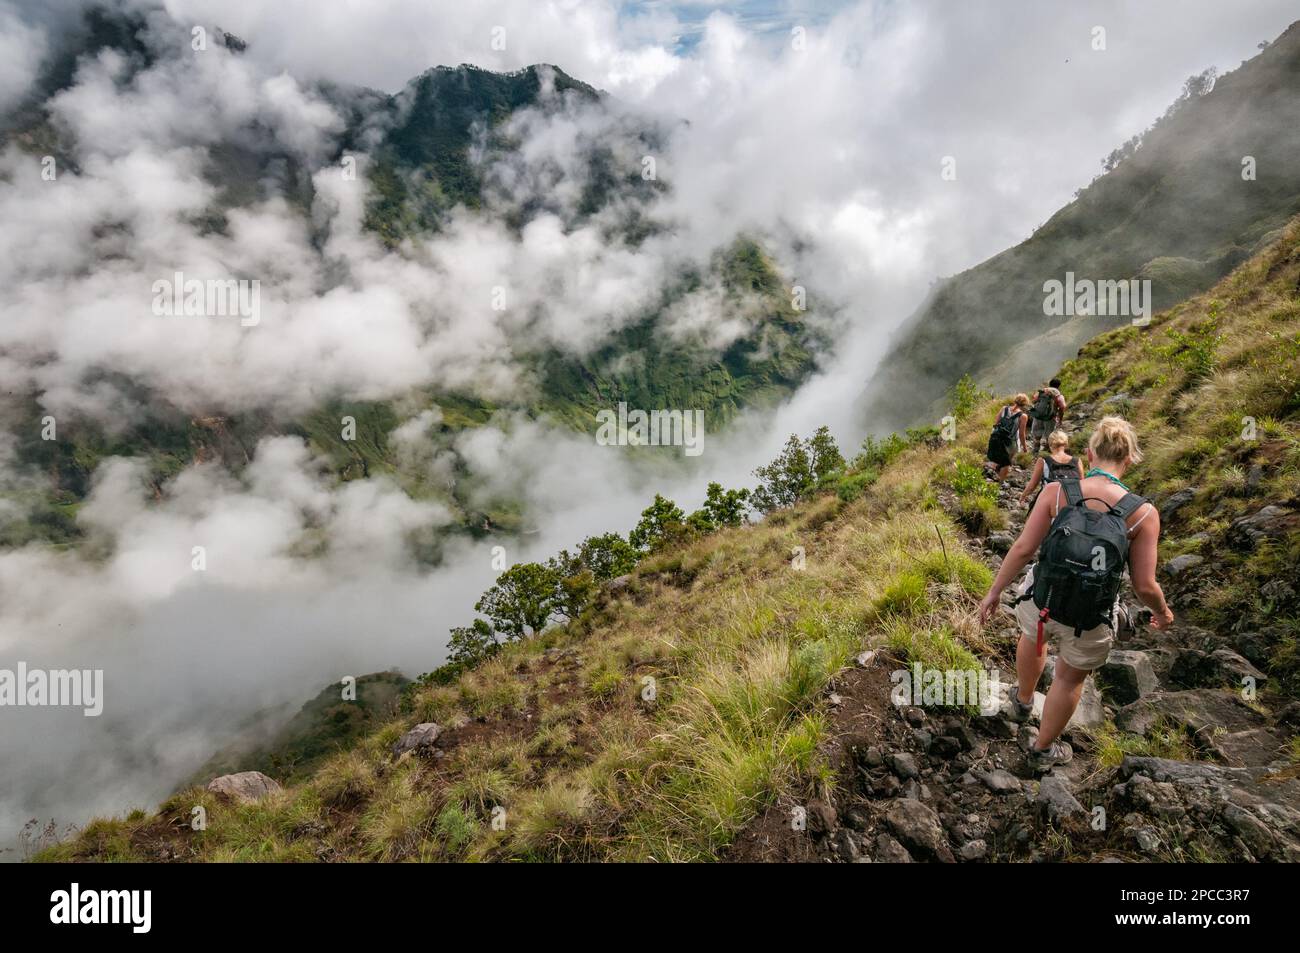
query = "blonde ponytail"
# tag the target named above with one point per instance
(1114, 441)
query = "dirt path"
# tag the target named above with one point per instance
(924, 783)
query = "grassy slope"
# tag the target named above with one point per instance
(741, 644)
(1177, 211)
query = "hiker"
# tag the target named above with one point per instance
(1008, 435)
(1088, 530)
(1057, 464)
(1046, 414)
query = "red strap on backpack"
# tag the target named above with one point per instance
(1042, 618)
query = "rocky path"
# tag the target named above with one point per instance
(929, 784)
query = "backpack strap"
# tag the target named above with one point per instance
(1073, 492)
(1128, 504)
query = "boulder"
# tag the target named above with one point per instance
(1277, 591)
(1202, 710)
(1056, 797)
(1249, 748)
(1126, 676)
(904, 764)
(1271, 522)
(1180, 564)
(917, 826)
(974, 850)
(945, 746)
(1174, 502)
(1000, 543)
(1221, 668)
(1254, 476)
(1000, 781)
(246, 787)
(1253, 647)
(420, 738)
(890, 851)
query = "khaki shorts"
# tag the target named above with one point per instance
(1087, 651)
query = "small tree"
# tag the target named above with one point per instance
(802, 465)
(721, 508)
(823, 455)
(966, 396)
(522, 600)
(471, 644)
(785, 480)
(607, 556)
(575, 584)
(661, 522)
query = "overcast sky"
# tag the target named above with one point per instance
(825, 142)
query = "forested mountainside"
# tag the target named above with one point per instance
(688, 692)
(1204, 188)
(432, 149)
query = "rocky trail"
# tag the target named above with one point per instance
(918, 784)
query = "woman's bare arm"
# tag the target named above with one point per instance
(1021, 552)
(1142, 557)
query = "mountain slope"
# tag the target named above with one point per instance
(432, 147)
(698, 706)
(1176, 211)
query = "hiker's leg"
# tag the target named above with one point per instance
(1029, 666)
(1062, 700)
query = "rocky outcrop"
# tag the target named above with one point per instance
(1271, 522)
(1200, 710)
(1127, 676)
(246, 787)
(1229, 813)
(421, 738)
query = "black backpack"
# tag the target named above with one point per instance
(1005, 428)
(1081, 562)
(1054, 472)
(1044, 406)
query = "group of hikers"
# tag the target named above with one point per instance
(1085, 528)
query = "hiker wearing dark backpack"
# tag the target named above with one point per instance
(1046, 414)
(1058, 464)
(1085, 532)
(1008, 435)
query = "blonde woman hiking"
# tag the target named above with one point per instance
(1058, 464)
(1085, 533)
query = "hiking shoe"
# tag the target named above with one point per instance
(1018, 711)
(1057, 753)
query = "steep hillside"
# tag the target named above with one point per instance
(1177, 210)
(730, 697)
